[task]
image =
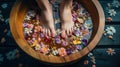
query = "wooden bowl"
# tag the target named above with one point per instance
(18, 13)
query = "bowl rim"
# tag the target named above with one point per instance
(17, 32)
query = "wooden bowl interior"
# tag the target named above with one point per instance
(19, 11)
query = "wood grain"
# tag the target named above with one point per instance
(18, 13)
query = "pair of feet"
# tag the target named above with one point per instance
(47, 20)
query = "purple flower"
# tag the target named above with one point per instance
(42, 35)
(25, 24)
(74, 15)
(64, 43)
(57, 40)
(34, 35)
(84, 41)
(74, 19)
(76, 6)
(30, 41)
(78, 47)
(77, 33)
(68, 51)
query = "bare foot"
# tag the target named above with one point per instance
(46, 17)
(66, 18)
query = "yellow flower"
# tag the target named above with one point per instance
(34, 44)
(76, 42)
(54, 48)
(80, 20)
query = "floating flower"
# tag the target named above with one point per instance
(27, 18)
(37, 47)
(58, 31)
(38, 28)
(30, 26)
(88, 24)
(77, 32)
(78, 47)
(31, 13)
(75, 51)
(47, 40)
(27, 30)
(45, 49)
(85, 32)
(116, 3)
(64, 43)
(112, 12)
(39, 39)
(58, 41)
(34, 43)
(62, 51)
(34, 35)
(42, 44)
(25, 24)
(80, 20)
(34, 39)
(1, 58)
(30, 41)
(4, 5)
(55, 52)
(84, 41)
(57, 46)
(42, 35)
(68, 51)
(110, 30)
(74, 15)
(76, 42)
(110, 51)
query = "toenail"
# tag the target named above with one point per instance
(53, 35)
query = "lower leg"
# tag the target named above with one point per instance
(46, 17)
(66, 17)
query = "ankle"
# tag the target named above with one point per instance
(66, 3)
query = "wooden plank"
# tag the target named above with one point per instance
(104, 5)
(116, 37)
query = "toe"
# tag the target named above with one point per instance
(72, 30)
(52, 30)
(63, 35)
(48, 33)
(68, 32)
